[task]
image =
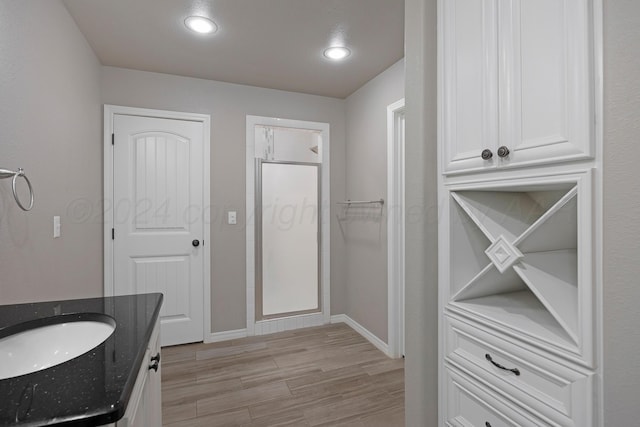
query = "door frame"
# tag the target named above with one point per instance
(395, 228)
(295, 321)
(110, 111)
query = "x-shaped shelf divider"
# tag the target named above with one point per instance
(533, 252)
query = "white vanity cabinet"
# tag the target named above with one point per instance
(516, 83)
(144, 408)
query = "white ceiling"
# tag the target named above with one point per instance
(268, 43)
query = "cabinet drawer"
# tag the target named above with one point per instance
(553, 391)
(469, 404)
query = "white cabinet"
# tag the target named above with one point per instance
(519, 236)
(517, 292)
(516, 74)
(144, 408)
(469, 404)
(153, 409)
(548, 389)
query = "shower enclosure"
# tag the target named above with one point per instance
(288, 228)
(287, 238)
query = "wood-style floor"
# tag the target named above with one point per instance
(324, 376)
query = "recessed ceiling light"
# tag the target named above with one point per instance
(200, 24)
(337, 53)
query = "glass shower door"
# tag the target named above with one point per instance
(288, 230)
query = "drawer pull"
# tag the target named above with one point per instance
(499, 366)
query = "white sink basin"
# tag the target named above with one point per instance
(45, 346)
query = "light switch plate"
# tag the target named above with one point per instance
(56, 226)
(232, 217)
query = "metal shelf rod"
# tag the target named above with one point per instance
(362, 202)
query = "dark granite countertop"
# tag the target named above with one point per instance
(92, 389)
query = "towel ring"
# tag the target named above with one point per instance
(4, 173)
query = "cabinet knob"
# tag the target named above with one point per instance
(486, 154)
(487, 424)
(196, 243)
(155, 362)
(503, 151)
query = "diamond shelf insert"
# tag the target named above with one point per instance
(529, 283)
(503, 254)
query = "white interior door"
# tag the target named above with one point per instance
(158, 177)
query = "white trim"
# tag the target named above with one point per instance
(206, 218)
(107, 196)
(225, 336)
(109, 112)
(289, 323)
(598, 203)
(377, 342)
(395, 227)
(253, 326)
(265, 327)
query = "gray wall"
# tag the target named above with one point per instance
(421, 247)
(621, 213)
(228, 105)
(50, 125)
(365, 228)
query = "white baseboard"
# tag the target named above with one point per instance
(226, 335)
(377, 342)
(272, 326)
(303, 321)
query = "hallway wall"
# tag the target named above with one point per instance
(421, 246)
(365, 227)
(621, 212)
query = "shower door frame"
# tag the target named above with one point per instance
(259, 315)
(266, 326)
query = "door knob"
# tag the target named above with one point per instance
(503, 151)
(195, 243)
(486, 154)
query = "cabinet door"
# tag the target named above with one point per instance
(153, 387)
(546, 94)
(469, 72)
(136, 413)
(144, 408)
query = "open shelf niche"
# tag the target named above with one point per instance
(514, 259)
